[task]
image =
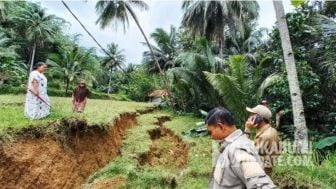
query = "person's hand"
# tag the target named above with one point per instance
(249, 124)
(36, 93)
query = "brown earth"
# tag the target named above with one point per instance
(62, 160)
(146, 110)
(116, 182)
(161, 120)
(167, 148)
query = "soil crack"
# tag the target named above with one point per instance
(167, 149)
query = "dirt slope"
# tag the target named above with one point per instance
(58, 161)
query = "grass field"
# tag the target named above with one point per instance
(97, 111)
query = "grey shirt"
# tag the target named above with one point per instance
(238, 165)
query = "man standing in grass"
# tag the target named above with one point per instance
(238, 164)
(37, 101)
(267, 139)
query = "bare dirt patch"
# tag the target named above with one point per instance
(116, 182)
(168, 149)
(146, 110)
(63, 159)
(161, 120)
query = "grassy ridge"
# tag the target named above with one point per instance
(97, 111)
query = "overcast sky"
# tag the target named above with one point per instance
(162, 13)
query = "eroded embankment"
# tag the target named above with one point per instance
(63, 159)
(167, 148)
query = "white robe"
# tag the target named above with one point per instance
(35, 108)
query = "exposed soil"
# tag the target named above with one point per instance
(167, 148)
(116, 182)
(146, 110)
(63, 159)
(161, 120)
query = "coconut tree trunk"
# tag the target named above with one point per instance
(162, 74)
(110, 77)
(32, 57)
(221, 47)
(301, 132)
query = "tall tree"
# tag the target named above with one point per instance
(240, 85)
(70, 65)
(39, 26)
(191, 89)
(301, 132)
(164, 49)
(115, 59)
(210, 18)
(119, 11)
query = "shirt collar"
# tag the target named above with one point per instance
(262, 129)
(231, 138)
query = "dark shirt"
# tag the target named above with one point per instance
(80, 93)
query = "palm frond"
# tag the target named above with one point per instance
(230, 89)
(327, 25)
(269, 80)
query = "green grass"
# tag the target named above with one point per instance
(314, 175)
(197, 172)
(194, 175)
(96, 112)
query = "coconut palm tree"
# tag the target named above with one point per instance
(301, 133)
(39, 26)
(240, 85)
(189, 78)
(210, 18)
(115, 59)
(70, 65)
(164, 49)
(120, 11)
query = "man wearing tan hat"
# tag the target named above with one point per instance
(267, 139)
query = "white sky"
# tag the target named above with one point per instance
(162, 13)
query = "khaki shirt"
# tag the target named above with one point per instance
(239, 165)
(268, 144)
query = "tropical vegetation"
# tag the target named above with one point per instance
(217, 56)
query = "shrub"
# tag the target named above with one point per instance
(279, 96)
(7, 89)
(140, 85)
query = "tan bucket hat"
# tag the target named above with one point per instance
(261, 110)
